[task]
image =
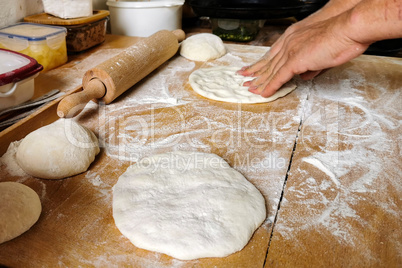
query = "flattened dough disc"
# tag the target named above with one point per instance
(221, 83)
(188, 205)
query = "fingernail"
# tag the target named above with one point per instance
(241, 71)
(249, 75)
(252, 89)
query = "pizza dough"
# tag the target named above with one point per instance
(223, 84)
(187, 205)
(202, 47)
(20, 208)
(61, 149)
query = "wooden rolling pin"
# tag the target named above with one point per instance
(113, 77)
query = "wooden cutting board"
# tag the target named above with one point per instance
(45, 18)
(161, 114)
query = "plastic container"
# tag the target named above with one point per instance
(144, 18)
(17, 74)
(82, 33)
(235, 29)
(82, 37)
(46, 44)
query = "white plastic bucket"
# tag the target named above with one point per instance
(144, 18)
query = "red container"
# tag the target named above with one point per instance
(17, 73)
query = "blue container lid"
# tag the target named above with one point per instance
(31, 31)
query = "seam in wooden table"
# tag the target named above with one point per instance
(283, 190)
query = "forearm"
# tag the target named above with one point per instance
(374, 20)
(332, 9)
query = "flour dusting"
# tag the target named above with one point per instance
(162, 114)
(9, 161)
(101, 186)
(348, 157)
(343, 185)
(317, 163)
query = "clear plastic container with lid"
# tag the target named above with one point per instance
(82, 33)
(46, 44)
(17, 73)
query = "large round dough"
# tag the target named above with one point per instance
(202, 47)
(20, 208)
(187, 205)
(223, 84)
(61, 149)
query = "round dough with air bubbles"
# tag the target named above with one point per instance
(61, 149)
(202, 47)
(20, 208)
(221, 83)
(187, 205)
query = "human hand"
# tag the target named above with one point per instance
(257, 68)
(305, 50)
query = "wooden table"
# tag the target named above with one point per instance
(326, 158)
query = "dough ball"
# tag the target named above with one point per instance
(202, 47)
(61, 149)
(187, 205)
(20, 208)
(221, 83)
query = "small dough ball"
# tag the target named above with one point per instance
(202, 47)
(20, 208)
(61, 149)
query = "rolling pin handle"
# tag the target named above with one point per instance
(73, 104)
(180, 34)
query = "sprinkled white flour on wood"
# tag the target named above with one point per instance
(347, 162)
(350, 131)
(9, 162)
(162, 114)
(317, 163)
